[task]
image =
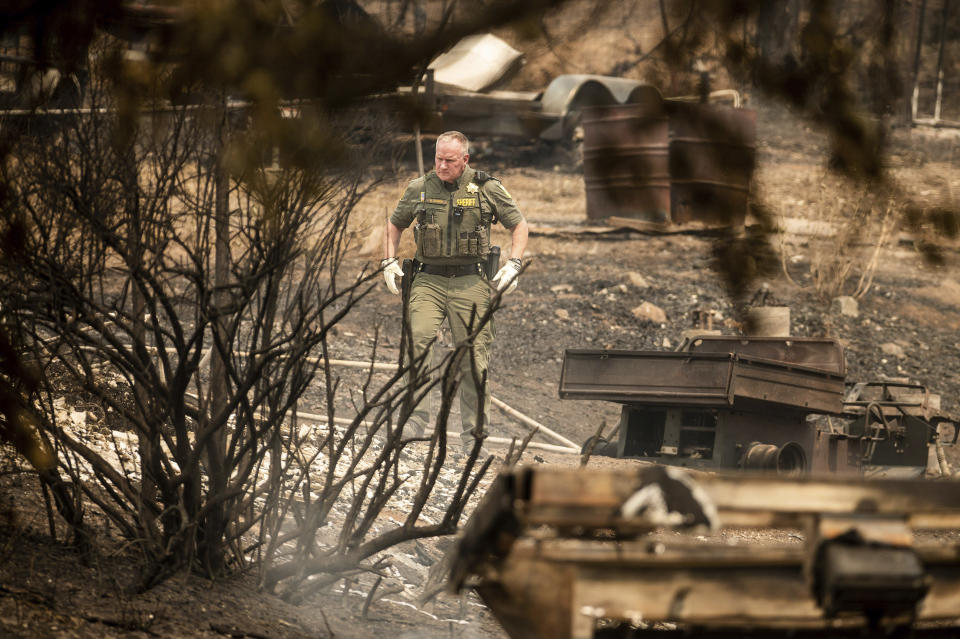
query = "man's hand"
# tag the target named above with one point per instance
(506, 278)
(391, 271)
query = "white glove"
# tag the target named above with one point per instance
(506, 277)
(391, 271)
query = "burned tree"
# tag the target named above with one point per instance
(181, 269)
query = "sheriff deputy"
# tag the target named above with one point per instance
(452, 208)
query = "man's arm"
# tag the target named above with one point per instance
(506, 278)
(510, 217)
(518, 241)
(393, 240)
(390, 264)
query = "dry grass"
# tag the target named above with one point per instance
(851, 225)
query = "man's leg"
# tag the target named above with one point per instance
(427, 310)
(466, 294)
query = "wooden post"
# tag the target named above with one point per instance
(416, 137)
(415, 90)
(916, 62)
(943, 40)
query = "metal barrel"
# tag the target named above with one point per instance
(626, 161)
(712, 156)
(669, 161)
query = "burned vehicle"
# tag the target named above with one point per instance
(654, 551)
(758, 403)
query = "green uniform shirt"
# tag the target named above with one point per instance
(451, 222)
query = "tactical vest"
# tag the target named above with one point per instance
(453, 227)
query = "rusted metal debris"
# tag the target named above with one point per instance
(552, 114)
(558, 553)
(668, 161)
(777, 403)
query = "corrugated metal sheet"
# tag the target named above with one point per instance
(567, 95)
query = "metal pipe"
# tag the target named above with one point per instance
(349, 363)
(535, 424)
(496, 402)
(505, 441)
(732, 94)
(949, 124)
(568, 445)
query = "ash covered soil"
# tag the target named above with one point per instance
(579, 290)
(583, 281)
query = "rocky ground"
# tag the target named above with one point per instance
(583, 288)
(585, 283)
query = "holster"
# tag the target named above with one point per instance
(492, 264)
(407, 278)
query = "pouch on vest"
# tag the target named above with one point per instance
(426, 234)
(483, 240)
(428, 239)
(468, 244)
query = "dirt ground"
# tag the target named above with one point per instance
(580, 284)
(580, 287)
(578, 291)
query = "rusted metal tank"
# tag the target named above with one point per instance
(712, 150)
(669, 161)
(626, 165)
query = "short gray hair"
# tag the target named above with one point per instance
(459, 137)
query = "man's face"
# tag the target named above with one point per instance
(450, 160)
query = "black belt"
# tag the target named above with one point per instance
(449, 270)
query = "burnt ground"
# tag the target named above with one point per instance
(580, 285)
(577, 292)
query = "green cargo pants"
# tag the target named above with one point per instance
(434, 298)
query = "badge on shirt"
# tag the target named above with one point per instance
(472, 188)
(433, 200)
(466, 201)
